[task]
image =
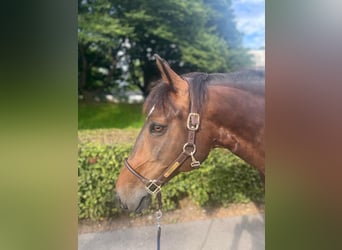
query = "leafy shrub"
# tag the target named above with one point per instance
(222, 179)
(98, 170)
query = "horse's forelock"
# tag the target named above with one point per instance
(159, 98)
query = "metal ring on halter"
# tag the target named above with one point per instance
(189, 144)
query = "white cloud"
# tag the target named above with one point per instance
(251, 24)
(250, 20)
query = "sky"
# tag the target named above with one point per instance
(250, 20)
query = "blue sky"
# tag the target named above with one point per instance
(250, 20)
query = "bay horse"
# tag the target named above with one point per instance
(187, 116)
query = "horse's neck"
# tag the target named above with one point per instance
(237, 122)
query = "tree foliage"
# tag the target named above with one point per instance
(117, 40)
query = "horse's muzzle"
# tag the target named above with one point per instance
(138, 206)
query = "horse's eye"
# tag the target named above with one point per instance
(157, 129)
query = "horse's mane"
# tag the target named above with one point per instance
(252, 81)
(160, 93)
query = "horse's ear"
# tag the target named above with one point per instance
(171, 77)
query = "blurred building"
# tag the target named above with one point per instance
(134, 96)
(258, 57)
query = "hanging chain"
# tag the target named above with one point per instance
(159, 214)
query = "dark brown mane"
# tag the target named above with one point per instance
(249, 80)
(160, 93)
(252, 81)
(198, 88)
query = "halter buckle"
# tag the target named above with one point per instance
(153, 188)
(193, 121)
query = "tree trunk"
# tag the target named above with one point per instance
(89, 96)
(111, 67)
(151, 74)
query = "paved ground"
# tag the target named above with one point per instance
(245, 232)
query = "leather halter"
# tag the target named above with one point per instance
(153, 186)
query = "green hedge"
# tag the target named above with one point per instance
(222, 179)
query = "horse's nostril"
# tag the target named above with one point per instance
(122, 205)
(118, 198)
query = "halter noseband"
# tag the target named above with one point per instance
(189, 149)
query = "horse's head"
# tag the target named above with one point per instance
(166, 144)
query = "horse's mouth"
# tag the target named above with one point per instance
(144, 203)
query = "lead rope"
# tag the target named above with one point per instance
(159, 214)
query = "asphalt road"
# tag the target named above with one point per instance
(245, 232)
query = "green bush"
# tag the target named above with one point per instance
(98, 170)
(222, 179)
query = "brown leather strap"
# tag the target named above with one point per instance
(170, 171)
(135, 173)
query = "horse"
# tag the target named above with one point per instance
(187, 116)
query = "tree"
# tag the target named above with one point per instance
(100, 37)
(122, 36)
